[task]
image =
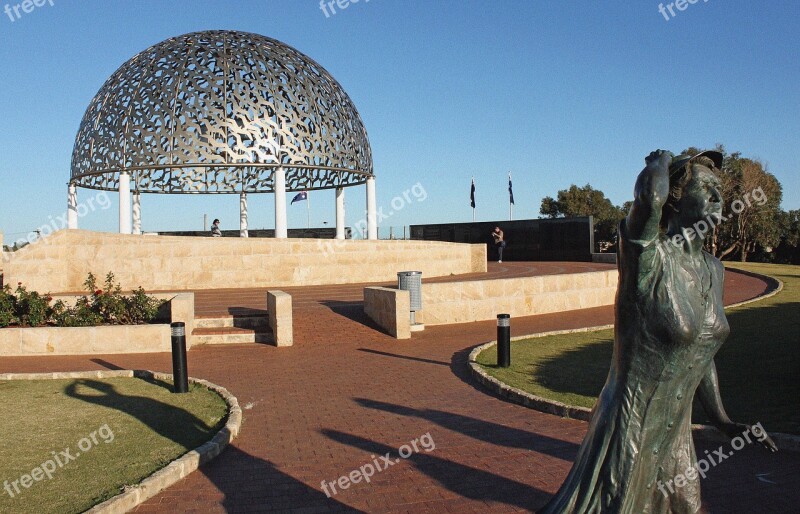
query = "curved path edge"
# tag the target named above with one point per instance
(776, 286)
(175, 470)
(789, 442)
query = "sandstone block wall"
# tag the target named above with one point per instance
(462, 302)
(84, 340)
(60, 263)
(279, 306)
(390, 309)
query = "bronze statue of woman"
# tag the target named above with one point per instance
(670, 322)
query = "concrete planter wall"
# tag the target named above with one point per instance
(84, 340)
(17, 342)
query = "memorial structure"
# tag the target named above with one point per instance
(221, 112)
(224, 112)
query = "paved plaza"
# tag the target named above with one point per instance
(346, 394)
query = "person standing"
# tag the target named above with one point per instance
(499, 242)
(215, 231)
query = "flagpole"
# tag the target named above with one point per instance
(308, 208)
(472, 198)
(510, 204)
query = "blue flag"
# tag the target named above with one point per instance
(299, 197)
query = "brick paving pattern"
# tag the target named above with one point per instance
(346, 394)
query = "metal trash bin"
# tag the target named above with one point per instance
(411, 281)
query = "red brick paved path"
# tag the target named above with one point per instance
(346, 392)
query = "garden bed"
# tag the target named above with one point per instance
(102, 322)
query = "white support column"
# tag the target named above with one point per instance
(339, 213)
(137, 212)
(243, 215)
(372, 214)
(124, 203)
(72, 207)
(280, 204)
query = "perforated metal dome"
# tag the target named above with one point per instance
(217, 112)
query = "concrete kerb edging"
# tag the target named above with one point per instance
(788, 442)
(521, 397)
(175, 470)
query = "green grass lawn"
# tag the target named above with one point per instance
(85, 439)
(759, 364)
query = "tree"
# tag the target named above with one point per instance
(790, 223)
(751, 210)
(787, 250)
(585, 201)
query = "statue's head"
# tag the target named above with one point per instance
(694, 189)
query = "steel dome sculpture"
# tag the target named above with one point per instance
(219, 112)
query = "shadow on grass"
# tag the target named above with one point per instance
(580, 371)
(239, 476)
(173, 423)
(758, 367)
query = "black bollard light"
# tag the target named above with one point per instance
(180, 377)
(504, 340)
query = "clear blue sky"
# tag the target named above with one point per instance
(556, 92)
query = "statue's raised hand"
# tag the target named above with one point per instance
(659, 158)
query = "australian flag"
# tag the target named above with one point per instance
(510, 190)
(299, 197)
(472, 195)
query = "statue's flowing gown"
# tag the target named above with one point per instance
(670, 323)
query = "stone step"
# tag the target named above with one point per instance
(248, 322)
(231, 335)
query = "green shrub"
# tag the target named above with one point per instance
(81, 315)
(140, 308)
(107, 306)
(33, 309)
(108, 303)
(8, 308)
